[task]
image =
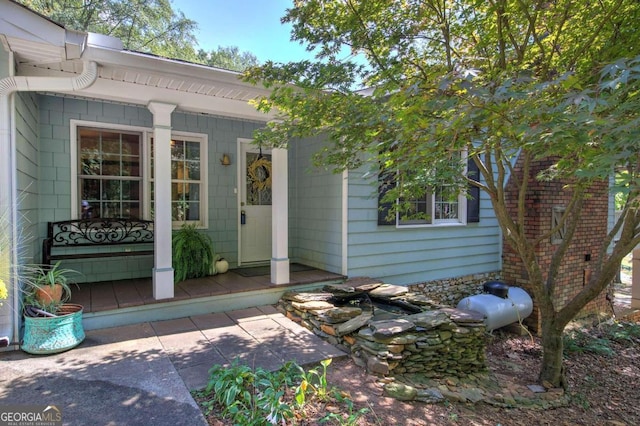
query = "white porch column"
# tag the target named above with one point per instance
(635, 280)
(280, 216)
(162, 270)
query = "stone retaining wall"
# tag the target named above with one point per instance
(437, 341)
(452, 290)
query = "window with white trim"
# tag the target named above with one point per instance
(188, 202)
(435, 207)
(110, 173)
(114, 170)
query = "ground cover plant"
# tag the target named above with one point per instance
(241, 395)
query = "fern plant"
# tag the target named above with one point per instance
(192, 253)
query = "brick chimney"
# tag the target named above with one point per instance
(545, 200)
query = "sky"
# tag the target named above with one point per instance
(252, 25)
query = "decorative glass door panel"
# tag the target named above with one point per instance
(255, 204)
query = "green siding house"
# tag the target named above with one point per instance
(88, 128)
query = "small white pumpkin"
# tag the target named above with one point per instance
(222, 266)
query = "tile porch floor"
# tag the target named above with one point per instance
(109, 295)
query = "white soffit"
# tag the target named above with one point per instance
(135, 86)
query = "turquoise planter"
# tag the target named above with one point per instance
(50, 335)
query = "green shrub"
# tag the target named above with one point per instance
(192, 253)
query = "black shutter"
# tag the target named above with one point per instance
(473, 201)
(386, 181)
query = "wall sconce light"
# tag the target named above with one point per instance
(225, 160)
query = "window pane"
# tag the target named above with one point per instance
(177, 191)
(417, 211)
(193, 192)
(193, 211)
(89, 210)
(110, 210)
(90, 189)
(177, 150)
(180, 171)
(110, 165)
(151, 157)
(89, 155)
(446, 211)
(152, 197)
(131, 166)
(193, 151)
(131, 210)
(446, 205)
(179, 211)
(131, 145)
(192, 170)
(111, 190)
(110, 143)
(131, 190)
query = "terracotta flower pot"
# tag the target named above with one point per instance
(47, 295)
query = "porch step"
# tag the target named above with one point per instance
(196, 306)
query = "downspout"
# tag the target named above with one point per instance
(8, 173)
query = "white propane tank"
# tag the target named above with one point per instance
(497, 311)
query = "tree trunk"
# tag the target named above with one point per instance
(552, 370)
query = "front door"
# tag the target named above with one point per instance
(255, 204)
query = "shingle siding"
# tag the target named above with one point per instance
(54, 182)
(410, 255)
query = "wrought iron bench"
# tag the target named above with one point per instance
(95, 238)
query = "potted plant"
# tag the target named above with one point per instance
(192, 253)
(50, 324)
(50, 286)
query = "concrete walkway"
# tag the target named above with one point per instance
(141, 374)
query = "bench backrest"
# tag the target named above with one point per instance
(91, 232)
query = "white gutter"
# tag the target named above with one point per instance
(8, 173)
(85, 79)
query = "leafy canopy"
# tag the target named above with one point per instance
(498, 79)
(445, 75)
(228, 58)
(150, 26)
(143, 25)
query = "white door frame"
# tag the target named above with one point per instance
(279, 209)
(254, 214)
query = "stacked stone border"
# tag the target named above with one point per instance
(450, 291)
(434, 340)
(435, 355)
